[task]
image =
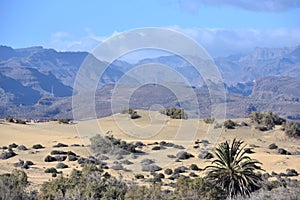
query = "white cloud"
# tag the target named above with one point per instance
(253, 5)
(217, 41)
(64, 41)
(223, 42)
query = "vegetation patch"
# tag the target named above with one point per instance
(112, 145)
(175, 113)
(132, 113)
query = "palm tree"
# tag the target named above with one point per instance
(233, 170)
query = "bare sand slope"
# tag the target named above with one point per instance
(151, 127)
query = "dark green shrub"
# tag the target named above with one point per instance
(64, 120)
(90, 183)
(37, 146)
(139, 176)
(292, 129)
(175, 113)
(110, 144)
(134, 115)
(51, 170)
(266, 120)
(20, 121)
(229, 124)
(209, 120)
(50, 159)
(194, 167)
(9, 118)
(14, 186)
(273, 146)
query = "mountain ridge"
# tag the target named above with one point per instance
(38, 77)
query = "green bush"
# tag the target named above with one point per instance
(132, 113)
(89, 183)
(197, 188)
(9, 118)
(266, 120)
(139, 176)
(229, 124)
(64, 120)
(110, 144)
(209, 120)
(292, 129)
(168, 171)
(175, 113)
(20, 121)
(14, 186)
(51, 170)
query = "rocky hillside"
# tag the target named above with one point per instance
(38, 82)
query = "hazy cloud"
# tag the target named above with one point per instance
(223, 42)
(217, 41)
(253, 5)
(64, 41)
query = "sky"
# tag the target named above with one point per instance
(222, 27)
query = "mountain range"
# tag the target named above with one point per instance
(38, 82)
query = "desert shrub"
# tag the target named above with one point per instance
(292, 129)
(156, 148)
(61, 166)
(175, 113)
(159, 176)
(283, 151)
(273, 146)
(72, 158)
(7, 154)
(28, 162)
(168, 171)
(154, 191)
(14, 186)
(218, 125)
(171, 156)
(278, 193)
(147, 161)
(127, 111)
(127, 162)
(229, 124)
(60, 145)
(139, 176)
(110, 144)
(176, 146)
(151, 168)
(13, 145)
(209, 120)
(117, 166)
(197, 188)
(181, 169)
(267, 120)
(9, 118)
(183, 155)
(60, 158)
(132, 113)
(204, 154)
(22, 148)
(20, 121)
(37, 146)
(58, 152)
(64, 120)
(50, 159)
(89, 183)
(194, 167)
(51, 170)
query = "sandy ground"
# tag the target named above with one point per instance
(151, 127)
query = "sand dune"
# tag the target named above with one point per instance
(151, 127)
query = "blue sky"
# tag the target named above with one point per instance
(223, 27)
